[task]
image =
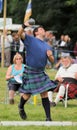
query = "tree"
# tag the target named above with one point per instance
(60, 15)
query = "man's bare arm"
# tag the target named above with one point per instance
(21, 33)
(21, 30)
(50, 56)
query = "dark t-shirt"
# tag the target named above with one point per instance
(36, 49)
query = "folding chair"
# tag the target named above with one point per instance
(66, 96)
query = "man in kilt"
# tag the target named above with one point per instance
(35, 80)
(67, 74)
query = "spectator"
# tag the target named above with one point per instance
(67, 73)
(14, 70)
(7, 41)
(0, 48)
(29, 31)
(48, 39)
(60, 43)
(75, 50)
(16, 46)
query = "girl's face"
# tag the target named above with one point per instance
(18, 59)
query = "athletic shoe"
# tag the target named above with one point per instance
(52, 104)
(22, 113)
(48, 119)
(11, 101)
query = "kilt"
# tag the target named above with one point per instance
(72, 89)
(35, 81)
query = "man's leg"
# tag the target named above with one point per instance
(23, 100)
(46, 105)
(11, 96)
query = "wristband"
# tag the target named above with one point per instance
(24, 26)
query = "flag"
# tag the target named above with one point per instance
(1, 2)
(28, 11)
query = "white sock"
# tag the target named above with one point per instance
(60, 94)
(50, 96)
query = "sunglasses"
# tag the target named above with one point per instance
(18, 58)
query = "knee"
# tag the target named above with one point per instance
(44, 95)
(26, 96)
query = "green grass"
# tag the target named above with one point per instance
(38, 128)
(35, 112)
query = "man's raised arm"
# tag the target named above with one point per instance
(21, 30)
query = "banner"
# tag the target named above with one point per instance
(1, 3)
(28, 11)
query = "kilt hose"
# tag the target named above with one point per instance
(72, 89)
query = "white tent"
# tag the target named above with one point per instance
(13, 27)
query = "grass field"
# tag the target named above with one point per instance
(35, 112)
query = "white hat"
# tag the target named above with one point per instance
(64, 54)
(28, 28)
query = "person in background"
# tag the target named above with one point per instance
(7, 43)
(28, 31)
(75, 50)
(67, 74)
(16, 69)
(16, 46)
(48, 39)
(35, 80)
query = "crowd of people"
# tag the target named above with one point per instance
(28, 52)
(14, 44)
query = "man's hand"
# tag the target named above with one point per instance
(60, 79)
(27, 24)
(21, 30)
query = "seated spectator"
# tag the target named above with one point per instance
(14, 76)
(67, 73)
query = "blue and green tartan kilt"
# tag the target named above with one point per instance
(35, 81)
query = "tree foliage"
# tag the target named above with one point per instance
(60, 15)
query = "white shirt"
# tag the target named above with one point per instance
(21, 46)
(8, 40)
(69, 72)
(62, 44)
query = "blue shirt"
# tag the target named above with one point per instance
(36, 49)
(16, 72)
